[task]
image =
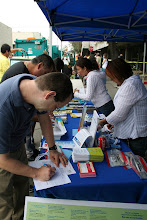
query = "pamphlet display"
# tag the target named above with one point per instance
(59, 129)
(85, 137)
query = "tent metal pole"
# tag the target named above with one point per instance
(50, 40)
(144, 60)
(61, 49)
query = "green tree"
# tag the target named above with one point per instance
(77, 45)
(113, 50)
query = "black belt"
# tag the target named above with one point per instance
(130, 139)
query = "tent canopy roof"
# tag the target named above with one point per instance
(95, 34)
(112, 14)
(95, 20)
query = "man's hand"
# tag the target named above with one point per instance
(57, 157)
(45, 173)
(21, 49)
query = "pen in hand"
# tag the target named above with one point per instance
(46, 165)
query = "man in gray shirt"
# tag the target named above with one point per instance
(21, 98)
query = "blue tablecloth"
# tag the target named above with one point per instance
(112, 184)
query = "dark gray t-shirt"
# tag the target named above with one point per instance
(15, 114)
(14, 70)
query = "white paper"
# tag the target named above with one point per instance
(68, 169)
(77, 83)
(87, 136)
(80, 154)
(60, 177)
(66, 144)
(80, 138)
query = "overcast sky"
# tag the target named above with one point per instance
(25, 16)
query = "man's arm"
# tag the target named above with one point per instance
(16, 167)
(47, 131)
(17, 49)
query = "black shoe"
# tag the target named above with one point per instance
(36, 152)
(32, 158)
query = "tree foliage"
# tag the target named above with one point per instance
(77, 45)
(113, 50)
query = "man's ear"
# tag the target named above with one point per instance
(40, 65)
(50, 94)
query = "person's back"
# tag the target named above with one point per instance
(14, 70)
(9, 95)
(38, 66)
(100, 91)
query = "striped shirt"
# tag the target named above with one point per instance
(96, 89)
(130, 115)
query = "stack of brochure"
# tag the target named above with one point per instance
(94, 154)
(86, 169)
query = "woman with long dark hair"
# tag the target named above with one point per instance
(95, 87)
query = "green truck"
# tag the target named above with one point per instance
(35, 47)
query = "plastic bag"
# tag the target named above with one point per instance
(116, 157)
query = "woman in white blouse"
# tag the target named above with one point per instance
(130, 115)
(95, 87)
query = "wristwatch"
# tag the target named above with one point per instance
(53, 147)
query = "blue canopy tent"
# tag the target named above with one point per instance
(99, 34)
(109, 20)
(112, 14)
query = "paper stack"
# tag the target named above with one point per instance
(94, 154)
(86, 169)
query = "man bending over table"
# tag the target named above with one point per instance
(21, 98)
